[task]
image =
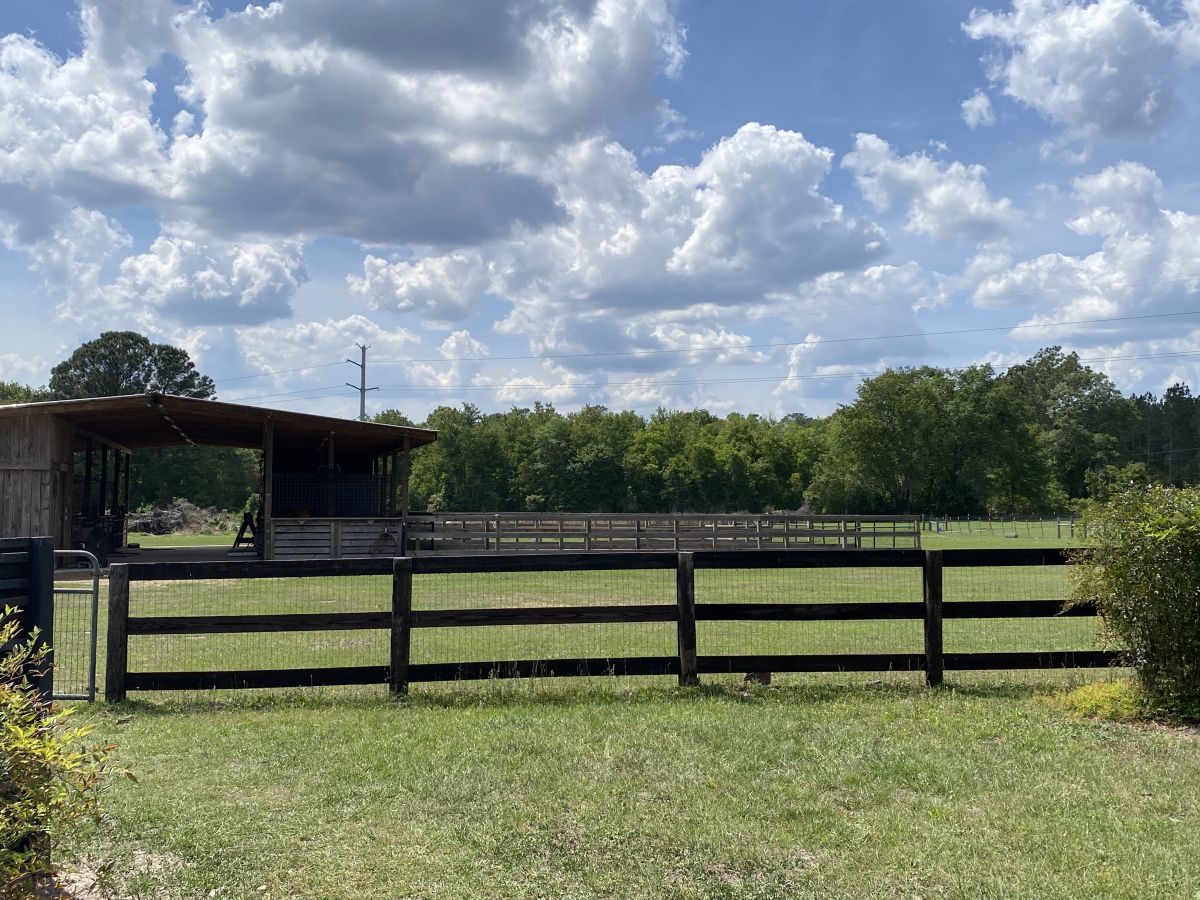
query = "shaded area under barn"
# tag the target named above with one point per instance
(328, 487)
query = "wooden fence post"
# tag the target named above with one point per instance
(401, 642)
(932, 582)
(39, 613)
(685, 596)
(117, 661)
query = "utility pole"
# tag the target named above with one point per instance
(361, 387)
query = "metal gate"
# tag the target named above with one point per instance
(76, 631)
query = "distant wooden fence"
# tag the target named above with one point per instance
(27, 584)
(687, 663)
(459, 533)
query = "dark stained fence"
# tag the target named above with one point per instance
(687, 663)
(27, 584)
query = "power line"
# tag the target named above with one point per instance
(723, 319)
(684, 382)
(777, 344)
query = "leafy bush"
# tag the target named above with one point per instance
(1143, 573)
(51, 776)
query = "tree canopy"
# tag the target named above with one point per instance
(125, 362)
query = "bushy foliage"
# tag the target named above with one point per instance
(1143, 573)
(51, 776)
(183, 517)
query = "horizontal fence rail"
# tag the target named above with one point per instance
(459, 533)
(687, 663)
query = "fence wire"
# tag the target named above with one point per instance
(514, 590)
(260, 596)
(73, 639)
(1014, 635)
(848, 585)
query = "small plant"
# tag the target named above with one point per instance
(1143, 574)
(51, 776)
(1112, 701)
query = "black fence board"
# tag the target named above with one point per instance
(814, 662)
(1068, 659)
(545, 615)
(1005, 557)
(802, 558)
(258, 623)
(808, 612)
(263, 678)
(544, 668)
(1012, 609)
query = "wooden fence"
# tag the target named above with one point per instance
(27, 583)
(687, 663)
(459, 533)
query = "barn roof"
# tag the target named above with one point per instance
(136, 421)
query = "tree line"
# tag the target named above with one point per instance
(1034, 439)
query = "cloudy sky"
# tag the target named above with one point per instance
(740, 206)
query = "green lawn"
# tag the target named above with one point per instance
(526, 790)
(820, 786)
(222, 539)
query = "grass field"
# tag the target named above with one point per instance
(819, 786)
(222, 539)
(527, 791)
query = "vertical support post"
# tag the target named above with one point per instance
(117, 661)
(331, 484)
(685, 597)
(932, 582)
(103, 485)
(405, 471)
(268, 536)
(39, 614)
(401, 642)
(88, 463)
(125, 485)
(115, 497)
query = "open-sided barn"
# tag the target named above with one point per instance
(329, 487)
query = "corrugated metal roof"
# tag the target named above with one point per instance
(136, 421)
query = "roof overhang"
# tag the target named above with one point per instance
(138, 421)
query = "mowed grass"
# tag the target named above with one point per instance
(819, 786)
(529, 791)
(145, 539)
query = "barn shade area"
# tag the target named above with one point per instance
(64, 469)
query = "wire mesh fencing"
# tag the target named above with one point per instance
(259, 596)
(809, 585)
(546, 589)
(76, 640)
(479, 618)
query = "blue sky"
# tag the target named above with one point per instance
(630, 202)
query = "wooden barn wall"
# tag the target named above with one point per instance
(36, 471)
(336, 538)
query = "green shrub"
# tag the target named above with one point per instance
(1143, 573)
(51, 775)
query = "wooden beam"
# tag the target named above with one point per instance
(406, 469)
(268, 450)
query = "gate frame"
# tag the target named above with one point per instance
(94, 592)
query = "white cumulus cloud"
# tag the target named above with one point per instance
(1098, 68)
(944, 200)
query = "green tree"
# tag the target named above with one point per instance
(14, 392)
(1079, 413)
(125, 362)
